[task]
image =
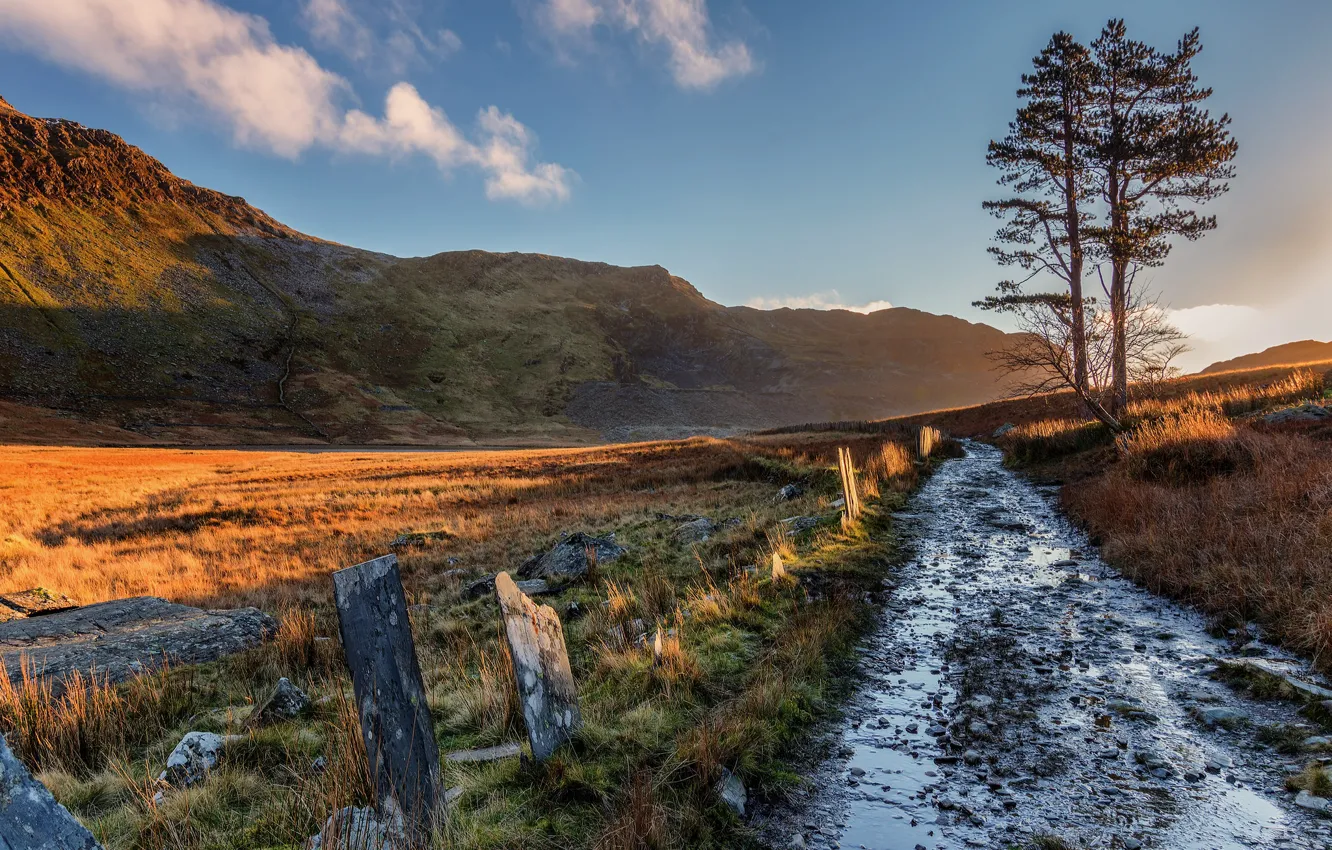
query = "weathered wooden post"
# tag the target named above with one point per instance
(395, 720)
(546, 686)
(849, 492)
(926, 439)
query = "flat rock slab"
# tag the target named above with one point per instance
(30, 603)
(500, 751)
(126, 637)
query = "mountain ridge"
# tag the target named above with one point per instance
(137, 300)
(1289, 353)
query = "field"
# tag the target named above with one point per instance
(750, 665)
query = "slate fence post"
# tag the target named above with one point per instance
(396, 726)
(541, 669)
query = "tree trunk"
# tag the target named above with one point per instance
(1118, 339)
(1073, 226)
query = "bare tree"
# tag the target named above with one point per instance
(1042, 359)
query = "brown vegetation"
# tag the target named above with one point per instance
(744, 662)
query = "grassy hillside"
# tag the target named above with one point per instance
(1304, 351)
(141, 302)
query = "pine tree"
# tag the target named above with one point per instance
(1043, 160)
(1154, 152)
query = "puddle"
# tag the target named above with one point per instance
(1017, 686)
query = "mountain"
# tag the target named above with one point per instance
(1304, 351)
(134, 300)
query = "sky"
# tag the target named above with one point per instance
(776, 153)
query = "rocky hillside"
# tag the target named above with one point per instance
(134, 300)
(1304, 351)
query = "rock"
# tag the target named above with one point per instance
(319, 765)
(573, 611)
(837, 503)
(35, 602)
(1132, 844)
(972, 757)
(732, 792)
(1318, 741)
(546, 688)
(286, 701)
(790, 491)
(797, 842)
(506, 750)
(1300, 413)
(694, 531)
(30, 818)
(1221, 716)
(1305, 800)
(1066, 562)
(352, 828)
(193, 758)
(798, 524)
(418, 538)
(126, 637)
(1004, 429)
(622, 636)
(568, 558)
(486, 585)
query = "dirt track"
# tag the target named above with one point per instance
(1016, 687)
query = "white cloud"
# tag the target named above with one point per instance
(829, 300)
(682, 27)
(335, 25)
(271, 96)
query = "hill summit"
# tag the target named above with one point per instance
(131, 298)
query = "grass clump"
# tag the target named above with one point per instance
(1185, 448)
(1314, 778)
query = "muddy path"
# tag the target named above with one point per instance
(1017, 687)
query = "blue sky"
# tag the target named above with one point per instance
(775, 152)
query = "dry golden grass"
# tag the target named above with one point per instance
(740, 655)
(1255, 545)
(224, 528)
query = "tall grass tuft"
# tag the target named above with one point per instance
(92, 723)
(1184, 448)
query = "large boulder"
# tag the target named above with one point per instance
(30, 818)
(568, 558)
(126, 637)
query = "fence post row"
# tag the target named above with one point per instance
(390, 696)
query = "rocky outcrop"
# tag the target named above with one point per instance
(126, 637)
(568, 559)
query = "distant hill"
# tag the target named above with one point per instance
(1304, 351)
(132, 299)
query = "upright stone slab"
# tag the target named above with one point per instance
(778, 568)
(541, 667)
(30, 818)
(395, 720)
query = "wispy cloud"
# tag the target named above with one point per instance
(396, 41)
(829, 300)
(681, 27)
(270, 96)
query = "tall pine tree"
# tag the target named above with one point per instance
(1043, 160)
(1155, 153)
